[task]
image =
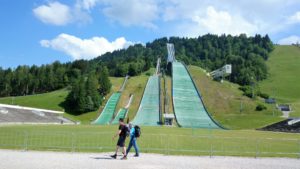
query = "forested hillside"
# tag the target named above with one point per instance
(246, 54)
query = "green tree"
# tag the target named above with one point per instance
(121, 70)
(104, 82)
(132, 70)
(93, 97)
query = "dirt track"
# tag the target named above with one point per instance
(10, 159)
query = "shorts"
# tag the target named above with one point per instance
(121, 142)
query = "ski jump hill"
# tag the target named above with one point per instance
(189, 109)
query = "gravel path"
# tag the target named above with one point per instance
(10, 159)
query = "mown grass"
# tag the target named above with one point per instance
(51, 100)
(228, 106)
(165, 140)
(283, 80)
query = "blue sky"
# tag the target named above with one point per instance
(42, 31)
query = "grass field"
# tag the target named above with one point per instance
(283, 81)
(227, 104)
(165, 140)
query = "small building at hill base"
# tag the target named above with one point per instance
(284, 107)
(168, 119)
(270, 101)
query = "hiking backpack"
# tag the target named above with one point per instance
(127, 131)
(137, 130)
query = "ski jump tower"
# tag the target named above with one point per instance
(171, 52)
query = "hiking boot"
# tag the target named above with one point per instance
(136, 155)
(114, 156)
(124, 158)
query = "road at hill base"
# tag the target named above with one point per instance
(11, 159)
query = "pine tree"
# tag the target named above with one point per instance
(94, 99)
(81, 96)
(104, 81)
(132, 70)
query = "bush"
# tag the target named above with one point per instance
(260, 107)
(263, 95)
(247, 91)
(244, 88)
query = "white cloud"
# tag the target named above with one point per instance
(289, 40)
(87, 4)
(54, 13)
(58, 14)
(211, 20)
(219, 22)
(256, 16)
(132, 12)
(79, 48)
(295, 18)
(126, 12)
(182, 18)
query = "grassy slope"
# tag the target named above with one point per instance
(165, 140)
(53, 101)
(135, 85)
(166, 83)
(162, 94)
(169, 88)
(283, 81)
(224, 100)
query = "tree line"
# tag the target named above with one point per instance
(246, 54)
(88, 84)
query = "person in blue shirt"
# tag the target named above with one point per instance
(133, 141)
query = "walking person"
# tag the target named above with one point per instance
(122, 132)
(134, 133)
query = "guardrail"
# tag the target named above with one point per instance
(189, 144)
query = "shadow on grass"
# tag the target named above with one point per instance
(68, 109)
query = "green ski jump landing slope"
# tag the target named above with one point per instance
(121, 114)
(148, 112)
(188, 106)
(109, 109)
